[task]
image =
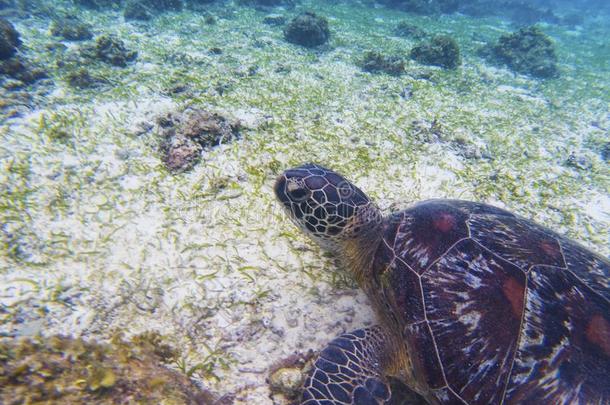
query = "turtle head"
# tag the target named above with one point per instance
(325, 205)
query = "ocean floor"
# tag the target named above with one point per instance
(98, 237)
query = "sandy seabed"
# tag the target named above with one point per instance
(99, 238)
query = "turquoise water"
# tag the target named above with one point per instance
(140, 140)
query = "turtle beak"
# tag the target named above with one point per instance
(280, 188)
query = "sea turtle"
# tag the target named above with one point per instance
(476, 305)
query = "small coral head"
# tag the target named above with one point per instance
(325, 205)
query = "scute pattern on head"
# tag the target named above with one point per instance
(322, 203)
(479, 306)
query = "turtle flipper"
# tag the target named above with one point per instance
(349, 371)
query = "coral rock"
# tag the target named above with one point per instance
(82, 79)
(65, 370)
(71, 29)
(22, 70)
(181, 153)
(287, 381)
(440, 51)
(407, 30)
(112, 50)
(376, 62)
(9, 39)
(527, 51)
(274, 19)
(307, 29)
(186, 134)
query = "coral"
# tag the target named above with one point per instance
(440, 51)
(9, 39)
(82, 79)
(71, 28)
(274, 19)
(110, 49)
(527, 51)
(286, 377)
(107, 190)
(184, 135)
(208, 129)
(12, 102)
(466, 148)
(287, 381)
(376, 62)
(180, 153)
(67, 370)
(22, 70)
(408, 30)
(307, 29)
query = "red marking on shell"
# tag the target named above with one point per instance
(513, 291)
(550, 247)
(598, 333)
(445, 222)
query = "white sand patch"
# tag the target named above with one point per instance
(103, 239)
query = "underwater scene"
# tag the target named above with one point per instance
(220, 202)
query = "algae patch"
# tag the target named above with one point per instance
(98, 233)
(69, 370)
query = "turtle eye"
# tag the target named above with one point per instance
(345, 189)
(297, 192)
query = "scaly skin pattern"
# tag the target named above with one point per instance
(482, 306)
(495, 309)
(349, 371)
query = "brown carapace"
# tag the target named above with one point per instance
(476, 305)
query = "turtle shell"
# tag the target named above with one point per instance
(494, 308)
